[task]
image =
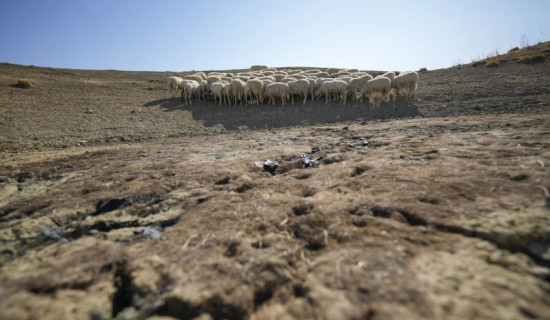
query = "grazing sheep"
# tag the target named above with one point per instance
(242, 78)
(357, 83)
(312, 71)
(254, 88)
(237, 88)
(287, 79)
(347, 79)
(375, 89)
(226, 93)
(174, 83)
(332, 70)
(299, 76)
(405, 81)
(320, 81)
(227, 78)
(337, 87)
(389, 74)
(277, 90)
(299, 87)
(193, 77)
(190, 89)
(278, 77)
(204, 89)
(216, 90)
(213, 78)
(321, 75)
(268, 78)
(311, 90)
(267, 82)
(200, 74)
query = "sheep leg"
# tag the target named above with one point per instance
(305, 98)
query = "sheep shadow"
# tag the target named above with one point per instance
(268, 116)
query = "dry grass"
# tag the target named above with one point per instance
(23, 84)
(531, 58)
(527, 55)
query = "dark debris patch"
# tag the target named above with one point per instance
(268, 165)
(109, 205)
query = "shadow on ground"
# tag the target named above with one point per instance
(269, 116)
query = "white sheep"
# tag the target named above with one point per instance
(299, 87)
(190, 88)
(287, 79)
(237, 90)
(337, 87)
(405, 81)
(278, 77)
(254, 87)
(200, 74)
(195, 77)
(375, 89)
(321, 75)
(226, 93)
(389, 74)
(277, 90)
(357, 83)
(216, 90)
(213, 78)
(311, 90)
(204, 89)
(174, 83)
(299, 76)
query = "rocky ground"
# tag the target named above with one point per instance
(119, 202)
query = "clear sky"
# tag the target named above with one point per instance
(174, 35)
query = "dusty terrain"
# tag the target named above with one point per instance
(117, 201)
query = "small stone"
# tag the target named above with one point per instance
(152, 232)
(88, 111)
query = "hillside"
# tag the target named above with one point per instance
(117, 201)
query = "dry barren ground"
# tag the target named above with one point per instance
(147, 208)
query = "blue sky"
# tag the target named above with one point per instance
(205, 34)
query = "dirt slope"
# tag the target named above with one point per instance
(147, 208)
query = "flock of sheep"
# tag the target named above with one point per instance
(262, 83)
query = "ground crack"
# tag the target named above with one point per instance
(503, 242)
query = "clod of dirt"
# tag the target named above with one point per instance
(232, 249)
(244, 187)
(89, 111)
(223, 181)
(302, 208)
(378, 211)
(313, 231)
(517, 176)
(333, 159)
(357, 171)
